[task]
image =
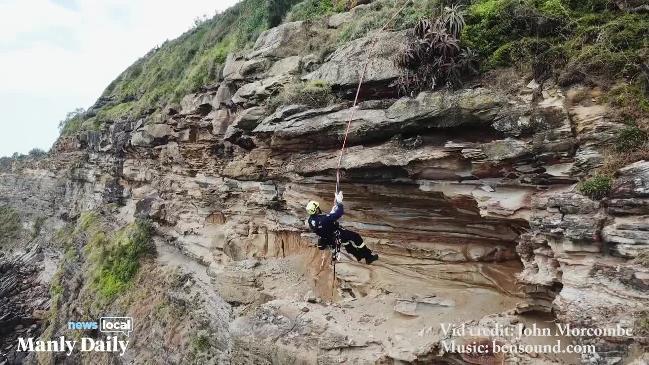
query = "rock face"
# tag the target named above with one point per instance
(467, 195)
(342, 69)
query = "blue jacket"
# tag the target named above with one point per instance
(324, 225)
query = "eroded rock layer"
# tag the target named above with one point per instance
(467, 195)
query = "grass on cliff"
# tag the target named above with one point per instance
(586, 40)
(113, 257)
(641, 325)
(596, 187)
(314, 9)
(592, 42)
(313, 93)
(10, 224)
(376, 14)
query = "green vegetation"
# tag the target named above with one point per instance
(200, 342)
(116, 259)
(629, 139)
(10, 226)
(113, 257)
(36, 153)
(314, 93)
(630, 99)
(37, 226)
(434, 56)
(583, 41)
(180, 66)
(641, 326)
(643, 258)
(88, 222)
(314, 9)
(630, 145)
(375, 15)
(72, 122)
(597, 187)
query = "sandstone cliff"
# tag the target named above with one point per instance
(469, 196)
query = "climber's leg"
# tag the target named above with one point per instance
(354, 244)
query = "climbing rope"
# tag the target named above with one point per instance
(336, 252)
(358, 91)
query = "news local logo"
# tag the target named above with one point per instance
(106, 324)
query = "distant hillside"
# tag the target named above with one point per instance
(182, 65)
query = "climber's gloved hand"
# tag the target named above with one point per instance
(339, 197)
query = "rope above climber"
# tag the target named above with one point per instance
(326, 226)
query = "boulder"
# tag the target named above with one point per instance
(632, 181)
(415, 306)
(152, 134)
(592, 124)
(339, 19)
(220, 121)
(343, 67)
(450, 109)
(505, 149)
(629, 231)
(203, 102)
(232, 67)
(248, 119)
(223, 95)
(150, 207)
(258, 90)
(255, 66)
(286, 66)
(285, 40)
(390, 154)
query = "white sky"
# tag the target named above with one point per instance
(58, 55)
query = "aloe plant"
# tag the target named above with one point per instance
(434, 56)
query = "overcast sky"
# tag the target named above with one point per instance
(58, 55)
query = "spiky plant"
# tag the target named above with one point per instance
(434, 56)
(453, 17)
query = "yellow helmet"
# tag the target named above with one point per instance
(312, 207)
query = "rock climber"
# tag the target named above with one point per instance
(326, 227)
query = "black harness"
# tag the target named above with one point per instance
(325, 230)
(329, 233)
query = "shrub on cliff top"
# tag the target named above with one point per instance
(573, 40)
(10, 226)
(313, 9)
(597, 187)
(629, 138)
(374, 16)
(434, 56)
(72, 122)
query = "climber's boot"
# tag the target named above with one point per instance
(368, 255)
